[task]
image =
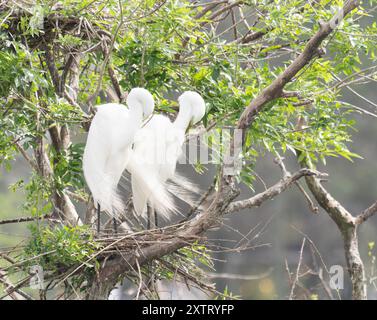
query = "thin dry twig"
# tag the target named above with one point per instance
(291, 295)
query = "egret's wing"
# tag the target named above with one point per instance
(106, 152)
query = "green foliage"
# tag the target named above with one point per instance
(38, 194)
(227, 295)
(68, 169)
(61, 247)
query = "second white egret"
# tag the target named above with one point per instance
(158, 146)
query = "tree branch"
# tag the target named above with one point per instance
(26, 156)
(28, 219)
(271, 192)
(348, 227)
(367, 213)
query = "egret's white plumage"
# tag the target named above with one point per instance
(157, 147)
(108, 152)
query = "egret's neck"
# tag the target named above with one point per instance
(183, 119)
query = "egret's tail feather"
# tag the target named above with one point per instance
(139, 197)
(118, 206)
(184, 189)
(147, 188)
(186, 183)
(109, 199)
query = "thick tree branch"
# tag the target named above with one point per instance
(60, 137)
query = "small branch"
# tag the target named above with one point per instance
(208, 7)
(250, 37)
(271, 192)
(232, 276)
(27, 219)
(115, 83)
(221, 11)
(280, 162)
(43, 162)
(64, 75)
(340, 215)
(311, 205)
(74, 82)
(297, 270)
(75, 196)
(26, 156)
(367, 213)
(55, 137)
(304, 102)
(201, 200)
(291, 94)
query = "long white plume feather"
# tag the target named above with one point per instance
(148, 187)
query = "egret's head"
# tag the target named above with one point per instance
(193, 103)
(141, 96)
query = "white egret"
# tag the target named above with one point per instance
(158, 146)
(108, 149)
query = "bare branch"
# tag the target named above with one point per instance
(247, 277)
(28, 219)
(297, 270)
(367, 213)
(26, 156)
(337, 212)
(348, 227)
(271, 192)
(313, 208)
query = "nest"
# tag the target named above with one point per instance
(131, 242)
(51, 25)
